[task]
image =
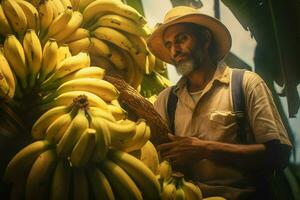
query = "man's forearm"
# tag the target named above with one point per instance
(248, 157)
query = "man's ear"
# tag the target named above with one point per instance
(208, 37)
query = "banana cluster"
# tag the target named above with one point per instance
(175, 187)
(37, 172)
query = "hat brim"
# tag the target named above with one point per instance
(220, 34)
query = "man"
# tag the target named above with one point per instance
(205, 144)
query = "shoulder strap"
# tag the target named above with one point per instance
(238, 101)
(171, 108)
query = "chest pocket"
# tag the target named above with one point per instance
(223, 125)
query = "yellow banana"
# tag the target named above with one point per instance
(84, 148)
(164, 170)
(76, 128)
(40, 174)
(83, 4)
(31, 13)
(59, 23)
(130, 70)
(122, 130)
(68, 98)
(214, 198)
(63, 53)
(99, 87)
(122, 184)
(59, 6)
(50, 53)
(46, 15)
(66, 4)
(15, 16)
(61, 182)
(160, 66)
(115, 37)
(23, 160)
(138, 43)
(15, 56)
(58, 127)
(117, 111)
(99, 7)
(149, 156)
(4, 24)
(78, 34)
(100, 113)
(180, 195)
(69, 65)
(139, 172)
(4, 87)
(98, 47)
(139, 75)
(73, 24)
(151, 64)
(168, 192)
(117, 57)
(81, 45)
(91, 72)
(191, 191)
(100, 185)
(40, 126)
(33, 51)
(121, 23)
(80, 184)
(103, 140)
(102, 62)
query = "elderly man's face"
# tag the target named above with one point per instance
(184, 49)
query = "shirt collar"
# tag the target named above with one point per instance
(221, 75)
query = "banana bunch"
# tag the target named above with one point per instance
(176, 188)
(7, 78)
(153, 84)
(16, 16)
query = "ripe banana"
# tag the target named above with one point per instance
(58, 127)
(99, 48)
(115, 37)
(4, 24)
(69, 65)
(180, 195)
(63, 53)
(68, 98)
(191, 191)
(15, 16)
(102, 62)
(149, 156)
(23, 160)
(130, 70)
(78, 34)
(41, 125)
(14, 53)
(138, 43)
(4, 87)
(81, 45)
(46, 15)
(83, 4)
(38, 180)
(160, 66)
(76, 128)
(31, 13)
(99, 7)
(168, 192)
(61, 182)
(91, 72)
(164, 170)
(139, 172)
(121, 23)
(75, 4)
(98, 112)
(80, 184)
(50, 53)
(33, 52)
(70, 27)
(122, 184)
(59, 7)
(59, 23)
(117, 57)
(122, 130)
(66, 4)
(100, 185)
(117, 111)
(151, 64)
(99, 87)
(84, 148)
(103, 140)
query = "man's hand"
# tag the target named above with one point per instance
(183, 150)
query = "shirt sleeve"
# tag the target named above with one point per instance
(264, 118)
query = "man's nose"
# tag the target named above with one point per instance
(175, 51)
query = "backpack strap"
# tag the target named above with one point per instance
(238, 101)
(171, 108)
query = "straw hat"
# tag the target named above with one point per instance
(183, 14)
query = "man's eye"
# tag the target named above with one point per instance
(168, 45)
(182, 38)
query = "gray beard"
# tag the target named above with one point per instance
(185, 67)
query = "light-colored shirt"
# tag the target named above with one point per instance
(211, 117)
